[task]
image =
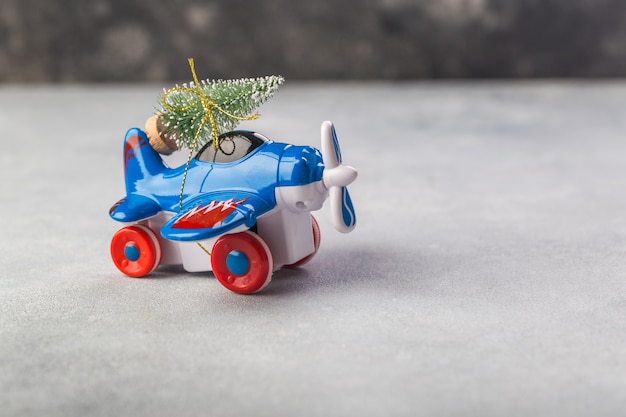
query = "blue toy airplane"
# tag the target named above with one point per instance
(244, 210)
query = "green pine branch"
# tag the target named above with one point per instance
(184, 114)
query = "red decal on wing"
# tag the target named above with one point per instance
(207, 215)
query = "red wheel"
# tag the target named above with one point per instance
(242, 262)
(317, 237)
(135, 250)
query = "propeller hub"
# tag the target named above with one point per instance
(340, 176)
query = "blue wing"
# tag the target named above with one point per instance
(133, 208)
(214, 214)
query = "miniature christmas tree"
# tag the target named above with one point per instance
(193, 114)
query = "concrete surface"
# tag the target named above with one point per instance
(486, 275)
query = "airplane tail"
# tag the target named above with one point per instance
(140, 160)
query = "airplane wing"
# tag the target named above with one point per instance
(133, 208)
(213, 214)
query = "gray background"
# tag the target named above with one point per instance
(119, 40)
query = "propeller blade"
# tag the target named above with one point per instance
(342, 210)
(330, 146)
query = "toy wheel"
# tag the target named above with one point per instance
(135, 250)
(242, 262)
(317, 237)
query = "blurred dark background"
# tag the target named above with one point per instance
(119, 40)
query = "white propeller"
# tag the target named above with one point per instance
(336, 177)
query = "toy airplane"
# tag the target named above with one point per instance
(244, 211)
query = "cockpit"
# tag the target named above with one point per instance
(232, 146)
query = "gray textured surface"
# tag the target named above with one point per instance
(486, 276)
(138, 40)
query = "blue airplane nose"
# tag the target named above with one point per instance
(300, 165)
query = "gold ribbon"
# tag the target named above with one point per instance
(208, 105)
